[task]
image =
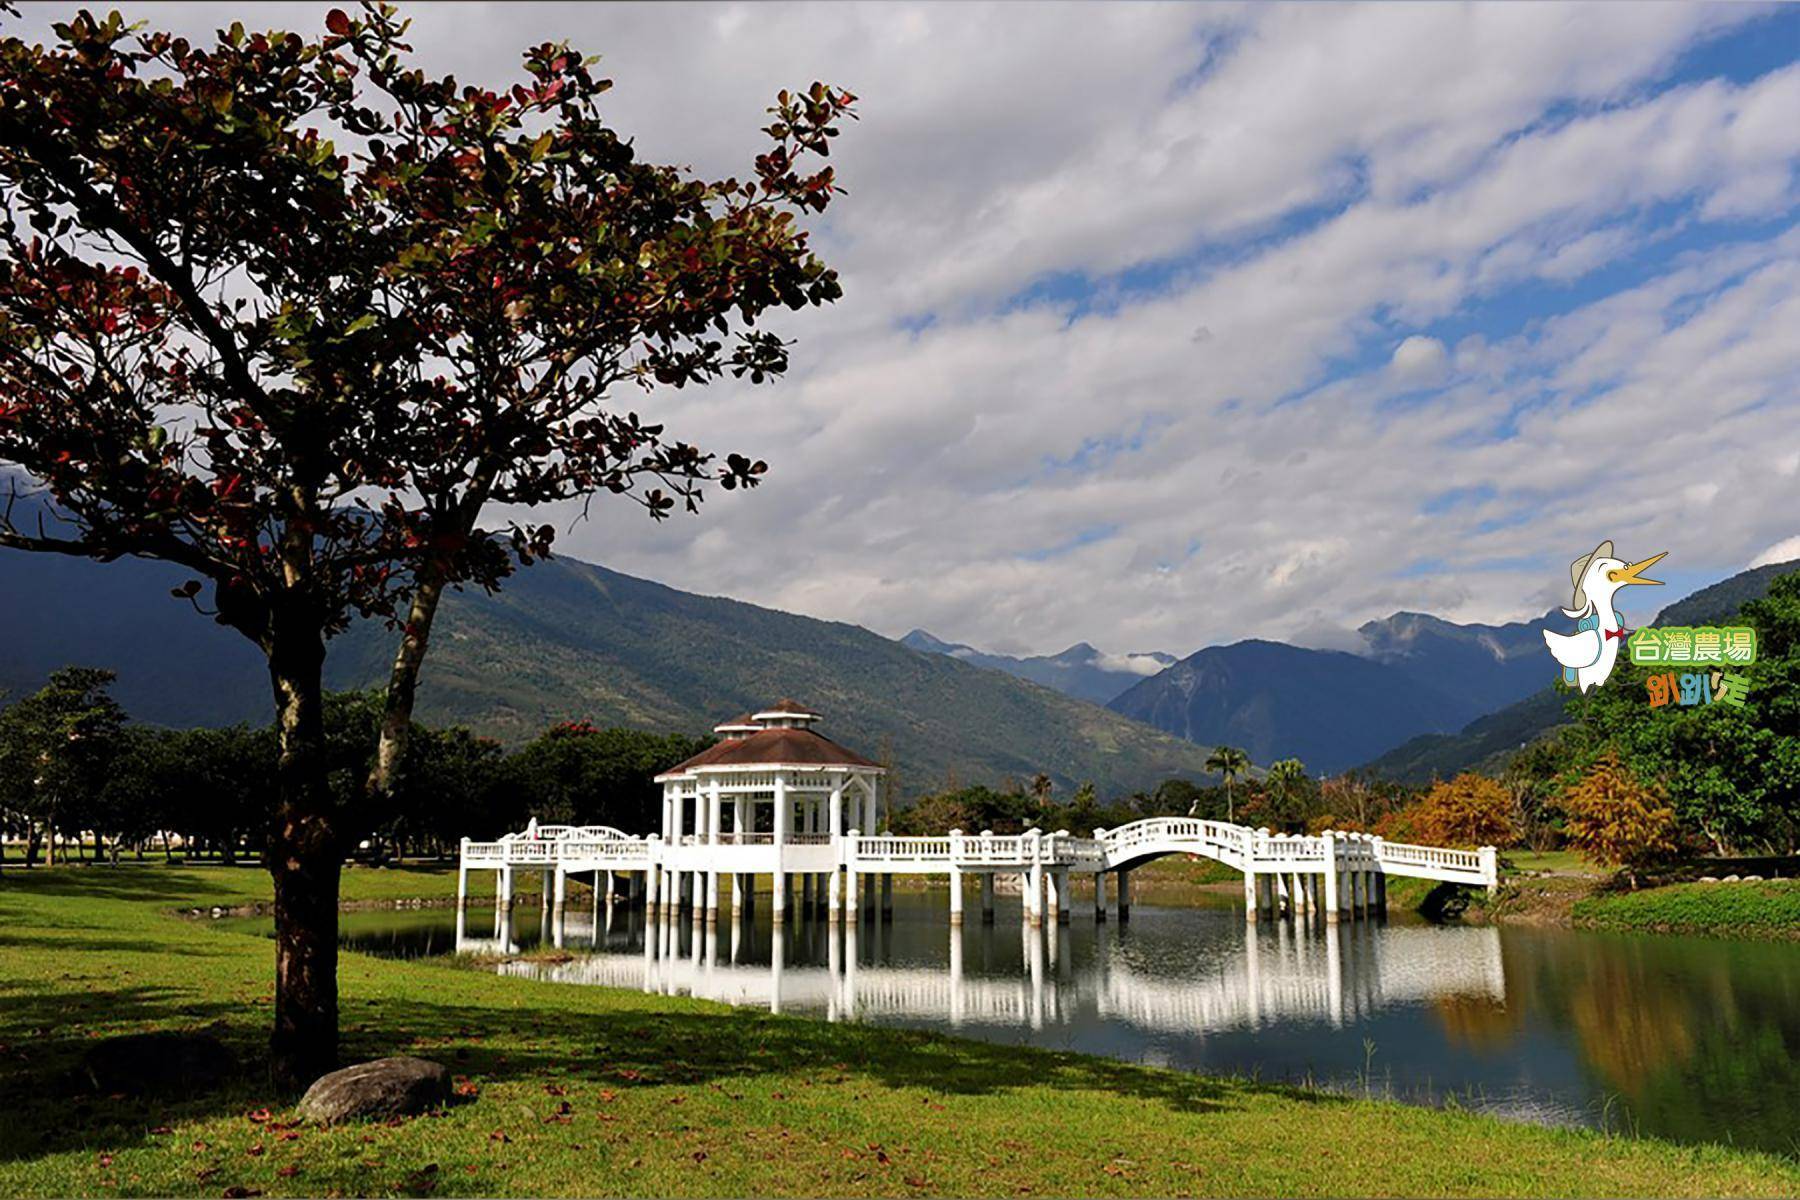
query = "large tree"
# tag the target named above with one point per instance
(293, 314)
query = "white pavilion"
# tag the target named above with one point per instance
(771, 797)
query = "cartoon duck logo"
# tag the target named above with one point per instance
(1588, 654)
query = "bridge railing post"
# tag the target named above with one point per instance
(1490, 867)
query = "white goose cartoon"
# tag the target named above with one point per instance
(1588, 654)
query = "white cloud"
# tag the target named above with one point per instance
(1134, 664)
(1786, 550)
(1330, 193)
(1419, 360)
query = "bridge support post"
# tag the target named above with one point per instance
(1034, 878)
(504, 892)
(1065, 899)
(1124, 895)
(987, 897)
(1330, 878)
(1100, 897)
(462, 877)
(561, 884)
(956, 880)
(851, 886)
(1252, 895)
(1054, 901)
(544, 886)
(887, 895)
(834, 895)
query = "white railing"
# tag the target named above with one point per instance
(1110, 849)
(912, 849)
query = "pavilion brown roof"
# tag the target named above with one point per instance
(775, 747)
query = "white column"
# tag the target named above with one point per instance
(956, 886)
(836, 814)
(562, 887)
(1252, 898)
(462, 876)
(1034, 878)
(1330, 878)
(850, 882)
(778, 902)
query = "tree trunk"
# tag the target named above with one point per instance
(304, 859)
(34, 840)
(402, 690)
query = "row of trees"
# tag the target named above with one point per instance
(72, 765)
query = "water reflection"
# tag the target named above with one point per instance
(1331, 974)
(1682, 1038)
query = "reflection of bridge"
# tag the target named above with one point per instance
(1318, 973)
(1333, 873)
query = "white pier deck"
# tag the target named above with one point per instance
(1334, 873)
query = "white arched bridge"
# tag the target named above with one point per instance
(1334, 874)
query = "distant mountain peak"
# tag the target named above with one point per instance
(1083, 670)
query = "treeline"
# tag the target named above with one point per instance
(77, 774)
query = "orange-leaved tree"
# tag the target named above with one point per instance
(1616, 821)
(1470, 810)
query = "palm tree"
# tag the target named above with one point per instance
(1284, 776)
(1230, 762)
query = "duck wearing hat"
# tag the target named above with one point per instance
(1588, 654)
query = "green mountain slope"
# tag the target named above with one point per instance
(569, 640)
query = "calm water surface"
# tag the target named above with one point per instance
(1690, 1039)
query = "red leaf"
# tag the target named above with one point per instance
(338, 22)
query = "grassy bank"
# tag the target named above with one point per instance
(1769, 909)
(585, 1090)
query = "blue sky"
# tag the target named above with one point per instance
(1168, 325)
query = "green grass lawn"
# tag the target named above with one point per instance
(590, 1091)
(1561, 861)
(1770, 908)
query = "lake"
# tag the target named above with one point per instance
(1689, 1039)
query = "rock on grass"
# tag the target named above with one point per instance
(386, 1087)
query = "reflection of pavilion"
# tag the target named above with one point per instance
(1324, 972)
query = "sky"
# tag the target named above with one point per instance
(1170, 325)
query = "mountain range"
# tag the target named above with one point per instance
(1485, 743)
(1080, 671)
(568, 640)
(1332, 709)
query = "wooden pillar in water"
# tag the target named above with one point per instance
(1124, 895)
